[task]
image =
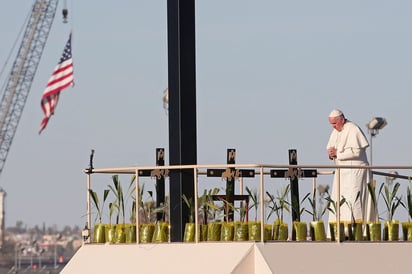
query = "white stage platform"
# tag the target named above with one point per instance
(244, 258)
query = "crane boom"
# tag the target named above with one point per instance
(22, 73)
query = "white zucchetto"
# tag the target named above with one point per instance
(335, 113)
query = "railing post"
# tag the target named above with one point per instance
(89, 171)
(262, 206)
(89, 214)
(195, 179)
(338, 206)
(137, 206)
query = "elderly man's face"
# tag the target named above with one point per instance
(337, 122)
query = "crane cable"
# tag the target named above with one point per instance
(65, 11)
(65, 14)
(14, 47)
(65, 20)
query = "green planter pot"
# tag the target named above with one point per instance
(333, 229)
(189, 235)
(203, 232)
(373, 232)
(280, 231)
(268, 234)
(227, 231)
(110, 232)
(317, 231)
(301, 230)
(391, 231)
(146, 233)
(241, 231)
(99, 233)
(407, 231)
(130, 233)
(120, 236)
(161, 233)
(355, 231)
(214, 231)
(254, 231)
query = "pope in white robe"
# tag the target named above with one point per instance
(347, 146)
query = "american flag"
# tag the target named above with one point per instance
(61, 78)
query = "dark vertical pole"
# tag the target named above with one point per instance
(160, 183)
(294, 185)
(182, 108)
(230, 183)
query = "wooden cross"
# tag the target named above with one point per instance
(231, 174)
(293, 174)
(160, 175)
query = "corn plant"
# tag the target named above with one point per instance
(279, 203)
(191, 206)
(253, 195)
(351, 205)
(226, 208)
(206, 205)
(392, 202)
(97, 205)
(332, 205)
(408, 205)
(150, 208)
(133, 212)
(372, 193)
(318, 211)
(296, 206)
(119, 204)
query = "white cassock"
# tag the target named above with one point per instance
(351, 144)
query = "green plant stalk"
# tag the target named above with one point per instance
(190, 204)
(119, 202)
(318, 210)
(350, 205)
(372, 193)
(276, 208)
(112, 208)
(226, 208)
(332, 205)
(392, 201)
(95, 200)
(312, 203)
(296, 206)
(151, 210)
(409, 202)
(206, 203)
(253, 195)
(133, 212)
(130, 195)
(283, 202)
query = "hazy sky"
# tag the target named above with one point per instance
(268, 74)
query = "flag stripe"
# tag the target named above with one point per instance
(62, 77)
(48, 102)
(57, 87)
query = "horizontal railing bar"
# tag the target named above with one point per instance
(392, 175)
(132, 169)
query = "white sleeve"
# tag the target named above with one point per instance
(348, 154)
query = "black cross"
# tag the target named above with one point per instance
(160, 175)
(294, 174)
(231, 174)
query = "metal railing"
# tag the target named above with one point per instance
(260, 169)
